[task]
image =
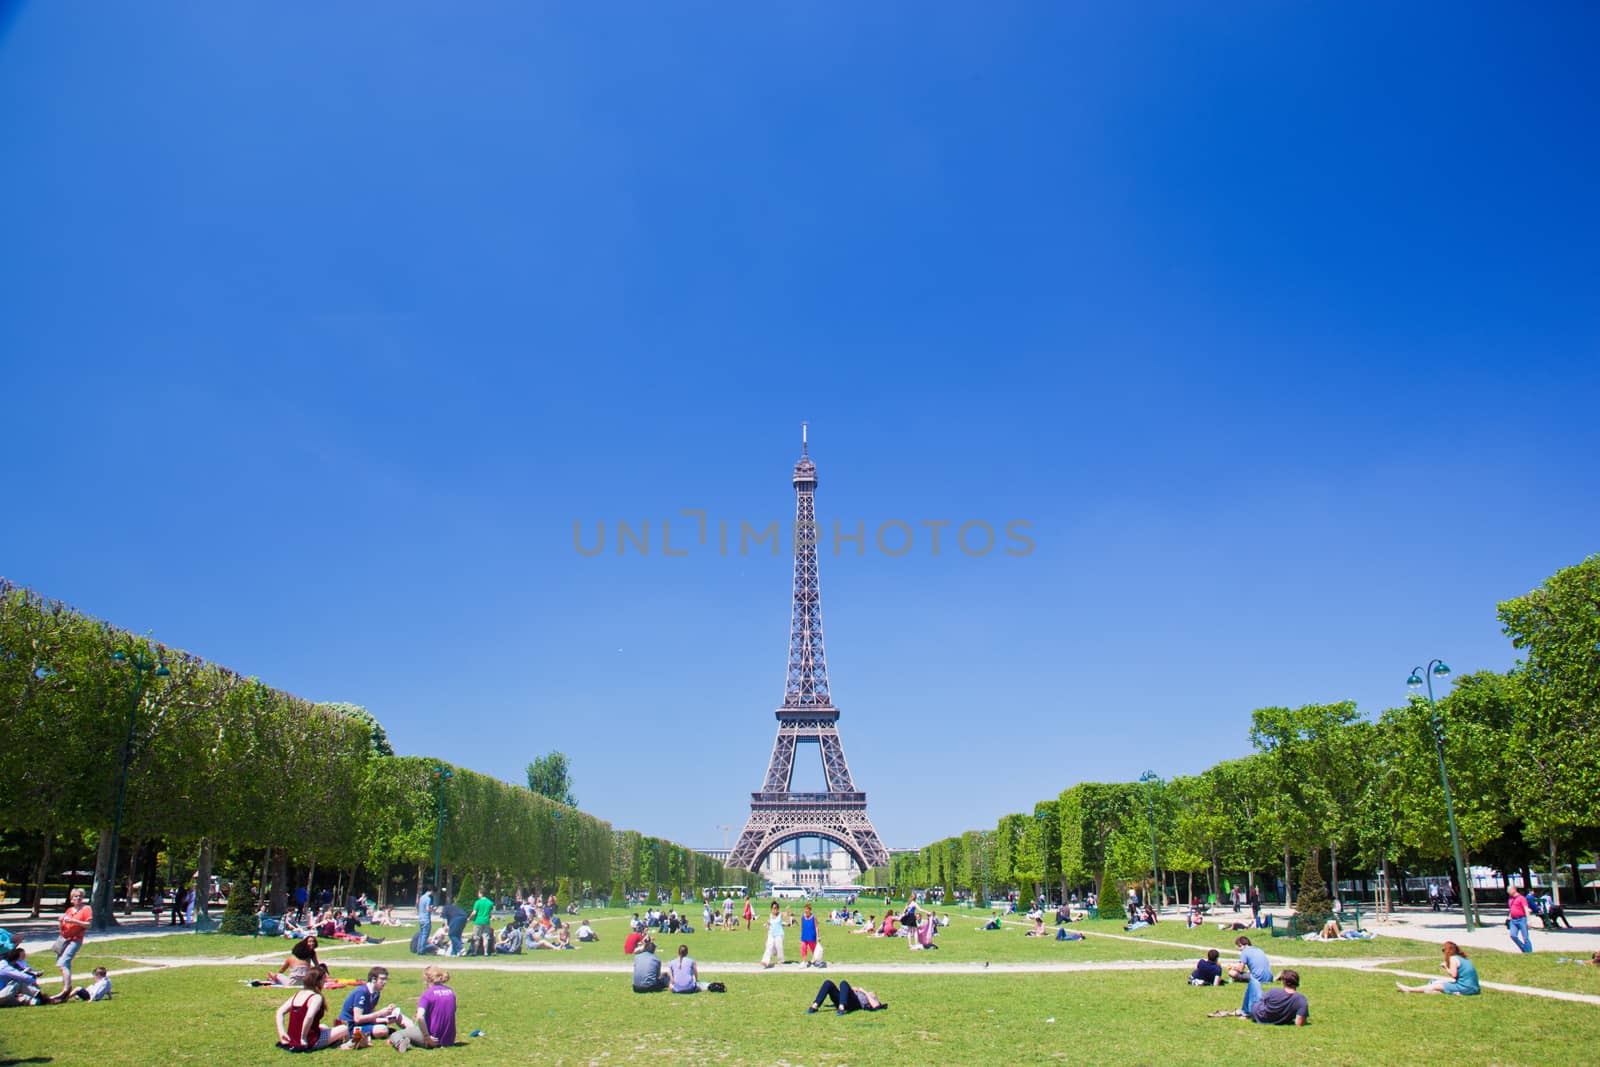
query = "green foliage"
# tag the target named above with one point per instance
(1555, 750)
(1312, 903)
(239, 916)
(677, 894)
(619, 896)
(1110, 906)
(563, 892)
(380, 745)
(550, 776)
(467, 893)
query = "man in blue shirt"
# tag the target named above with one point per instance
(361, 1012)
(1252, 967)
(425, 913)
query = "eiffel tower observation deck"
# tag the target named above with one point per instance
(807, 717)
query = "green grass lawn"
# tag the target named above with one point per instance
(204, 1015)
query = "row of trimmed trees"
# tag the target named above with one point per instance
(236, 776)
(1330, 794)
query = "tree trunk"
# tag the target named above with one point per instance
(103, 891)
(278, 896)
(202, 886)
(311, 875)
(1577, 881)
(127, 881)
(40, 873)
(1333, 858)
(420, 883)
(1555, 881)
(1288, 880)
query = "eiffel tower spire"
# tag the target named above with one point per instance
(777, 814)
(807, 683)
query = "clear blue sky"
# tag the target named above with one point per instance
(322, 325)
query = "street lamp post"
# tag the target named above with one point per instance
(440, 774)
(1151, 778)
(1437, 669)
(555, 849)
(141, 665)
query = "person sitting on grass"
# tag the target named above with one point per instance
(845, 999)
(921, 936)
(685, 973)
(586, 932)
(1207, 971)
(1251, 968)
(302, 957)
(360, 1010)
(19, 983)
(435, 1025)
(869, 928)
(99, 989)
(647, 974)
(993, 923)
(1037, 929)
(1463, 980)
(299, 1018)
(510, 941)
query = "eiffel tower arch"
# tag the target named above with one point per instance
(807, 717)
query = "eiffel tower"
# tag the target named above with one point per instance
(807, 716)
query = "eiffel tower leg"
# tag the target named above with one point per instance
(780, 768)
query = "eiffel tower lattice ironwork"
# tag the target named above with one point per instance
(807, 717)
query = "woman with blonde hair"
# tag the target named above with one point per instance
(435, 1025)
(1463, 980)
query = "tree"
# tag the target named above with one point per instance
(380, 737)
(1555, 749)
(551, 776)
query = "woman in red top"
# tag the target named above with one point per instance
(74, 924)
(299, 1018)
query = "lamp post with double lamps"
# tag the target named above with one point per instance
(441, 775)
(142, 665)
(1152, 779)
(1437, 668)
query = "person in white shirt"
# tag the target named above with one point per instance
(774, 938)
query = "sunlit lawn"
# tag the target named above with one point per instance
(205, 1015)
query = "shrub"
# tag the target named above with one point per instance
(466, 894)
(619, 898)
(1312, 905)
(563, 893)
(1110, 906)
(677, 894)
(239, 917)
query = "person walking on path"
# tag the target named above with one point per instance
(75, 922)
(808, 936)
(482, 931)
(1255, 907)
(774, 938)
(1518, 923)
(749, 913)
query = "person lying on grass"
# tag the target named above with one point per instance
(846, 1000)
(1463, 975)
(1063, 934)
(299, 1018)
(1277, 1007)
